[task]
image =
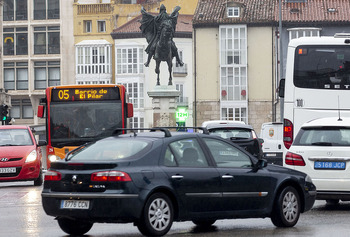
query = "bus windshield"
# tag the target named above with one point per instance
(322, 67)
(75, 123)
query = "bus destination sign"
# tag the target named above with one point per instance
(85, 94)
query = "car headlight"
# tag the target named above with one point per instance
(32, 156)
(53, 158)
(308, 179)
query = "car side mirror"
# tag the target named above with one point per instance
(42, 143)
(262, 163)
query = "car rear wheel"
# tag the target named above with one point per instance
(157, 216)
(286, 210)
(74, 227)
(39, 181)
(204, 222)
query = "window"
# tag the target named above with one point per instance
(233, 83)
(177, 69)
(129, 1)
(101, 26)
(185, 153)
(233, 11)
(322, 67)
(16, 41)
(15, 10)
(181, 98)
(136, 94)
(130, 60)
(21, 109)
(46, 9)
(16, 75)
(226, 155)
(47, 40)
(46, 74)
(233, 73)
(303, 32)
(87, 26)
(235, 114)
(93, 59)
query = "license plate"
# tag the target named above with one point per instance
(75, 204)
(330, 165)
(7, 170)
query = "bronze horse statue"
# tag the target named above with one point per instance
(163, 50)
(159, 31)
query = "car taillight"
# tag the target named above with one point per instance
(110, 176)
(52, 176)
(287, 133)
(294, 159)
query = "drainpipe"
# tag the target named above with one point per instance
(195, 77)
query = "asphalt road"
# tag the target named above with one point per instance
(21, 215)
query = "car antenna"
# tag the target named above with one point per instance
(339, 119)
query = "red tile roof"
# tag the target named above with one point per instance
(213, 12)
(184, 24)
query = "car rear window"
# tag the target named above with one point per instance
(114, 149)
(15, 137)
(323, 136)
(231, 132)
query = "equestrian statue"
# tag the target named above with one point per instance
(159, 31)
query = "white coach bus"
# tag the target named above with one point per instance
(317, 82)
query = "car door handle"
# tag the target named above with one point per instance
(177, 176)
(227, 176)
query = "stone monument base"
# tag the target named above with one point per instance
(164, 105)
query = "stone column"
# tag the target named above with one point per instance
(164, 105)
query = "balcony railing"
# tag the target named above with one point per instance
(182, 101)
(180, 70)
(100, 8)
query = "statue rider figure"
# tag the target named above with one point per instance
(151, 27)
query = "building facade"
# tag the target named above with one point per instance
(240, 50)
(37, 45)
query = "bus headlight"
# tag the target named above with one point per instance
(53, 158)
(32, 156)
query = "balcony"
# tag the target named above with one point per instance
(182, 102)
(90, 9)
(180, 71)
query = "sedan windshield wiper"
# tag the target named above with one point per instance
(322, 144)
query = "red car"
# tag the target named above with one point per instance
(20, 155)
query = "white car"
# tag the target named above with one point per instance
(321, 149)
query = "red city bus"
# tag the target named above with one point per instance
(77, 114)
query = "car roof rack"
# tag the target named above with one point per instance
(134, 130)
(184, 129)
(154, 129)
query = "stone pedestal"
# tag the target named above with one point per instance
(164, 105)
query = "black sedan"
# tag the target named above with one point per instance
(157, 177)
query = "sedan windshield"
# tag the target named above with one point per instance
(15, 137)
(229, 133)
(323, 136)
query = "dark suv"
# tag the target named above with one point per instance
(238, 132)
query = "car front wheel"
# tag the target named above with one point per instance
(39, 181)
(286, 210)
(157, 216)
(74, 227)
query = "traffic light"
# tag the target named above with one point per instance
(4, 114)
